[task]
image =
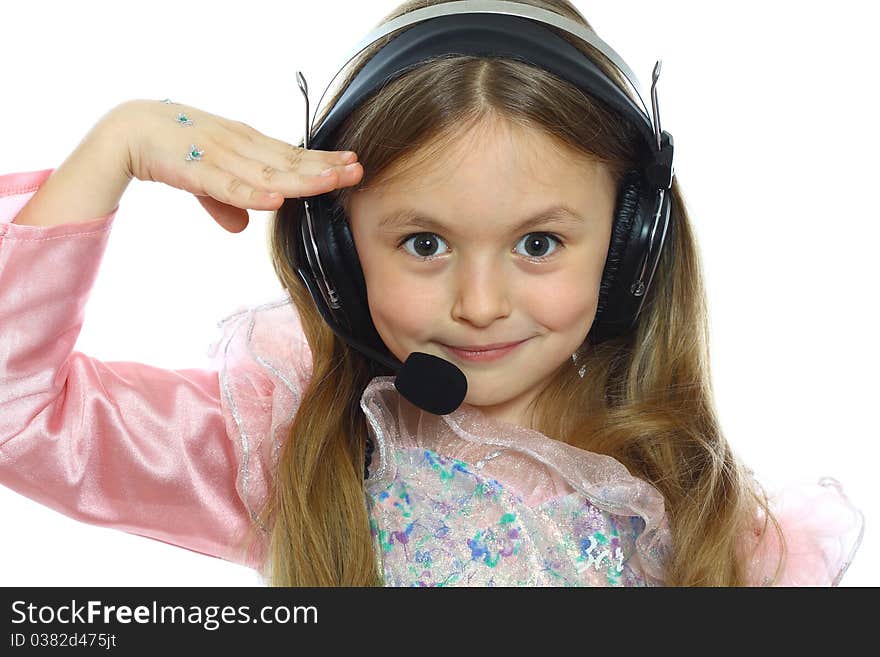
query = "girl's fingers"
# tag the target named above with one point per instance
(305, 180)
(243, 183)
(303, 160)
(254, 144)
(220, 184)
(296, 156)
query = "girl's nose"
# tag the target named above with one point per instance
(483, 295)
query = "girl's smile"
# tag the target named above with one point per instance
(484, 355)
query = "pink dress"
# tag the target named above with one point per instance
(186, 456)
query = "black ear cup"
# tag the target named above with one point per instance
(628, 197)
(618, 307)
(347, 277)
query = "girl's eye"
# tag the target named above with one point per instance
(534, 243)
(424, 245)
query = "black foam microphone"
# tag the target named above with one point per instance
(429, 382)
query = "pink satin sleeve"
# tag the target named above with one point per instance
(116, 444)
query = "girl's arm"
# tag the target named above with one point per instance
(115, 444)
(181, 456)
(88, 184)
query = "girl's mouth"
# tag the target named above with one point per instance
(484, 355)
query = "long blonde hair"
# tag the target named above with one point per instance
(647, 400)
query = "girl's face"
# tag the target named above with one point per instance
(475, 274)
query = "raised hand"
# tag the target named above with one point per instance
(228, 165)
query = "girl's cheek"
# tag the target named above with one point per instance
(421, 302)
(560, 306)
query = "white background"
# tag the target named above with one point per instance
(772, 108)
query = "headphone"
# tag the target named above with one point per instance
(328, 262)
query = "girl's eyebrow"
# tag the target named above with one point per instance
(410, 218)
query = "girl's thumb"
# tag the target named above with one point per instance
(231, 218)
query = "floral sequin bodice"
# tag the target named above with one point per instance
(461, 500)
(439, 523)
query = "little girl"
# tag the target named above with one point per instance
(569, 462)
